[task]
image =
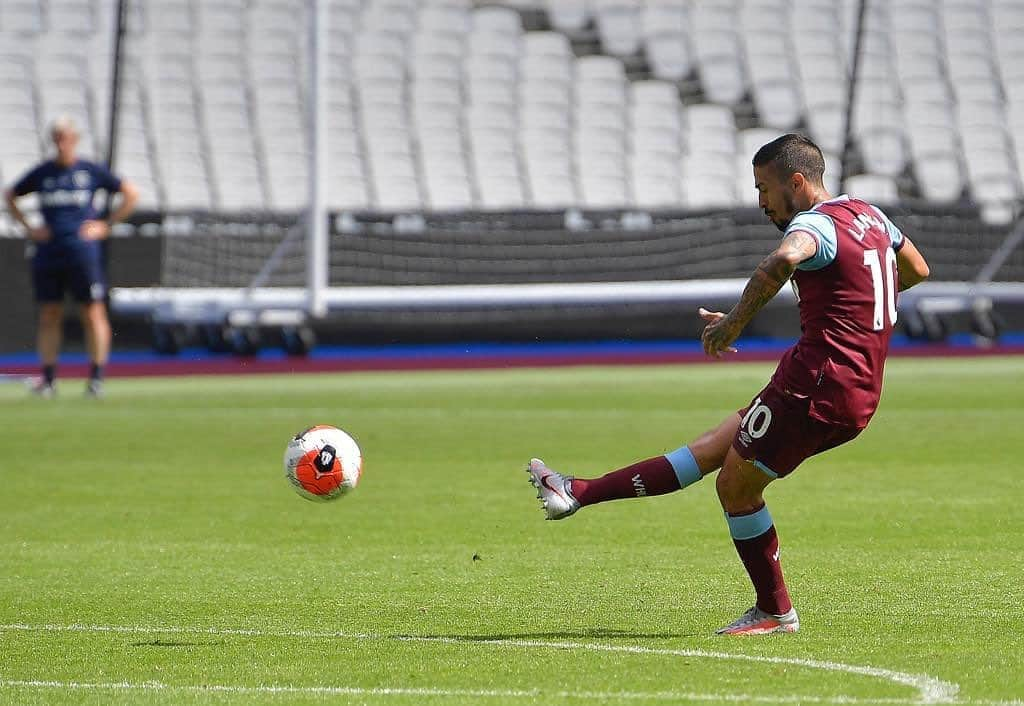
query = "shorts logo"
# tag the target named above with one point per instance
(96, 291)
(745, 438)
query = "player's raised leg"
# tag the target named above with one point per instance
(563, 495)
(740, 486)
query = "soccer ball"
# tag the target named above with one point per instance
(323, 463)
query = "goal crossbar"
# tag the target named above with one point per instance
(276, 304)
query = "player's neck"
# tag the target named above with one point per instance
(819, 196)
(65, 161)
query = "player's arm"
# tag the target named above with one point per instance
(911, 264)
(764, 284)
(38, 234)
(96, 230)
(129, 198)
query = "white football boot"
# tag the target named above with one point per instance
(553, 489)
(757, 622)
(94, 389)
(38, 387)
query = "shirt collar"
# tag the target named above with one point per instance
(835, 199)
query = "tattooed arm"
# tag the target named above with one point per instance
(722, 329)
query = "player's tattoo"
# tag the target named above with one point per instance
(773, 272)
(799, 246)
(767, 280)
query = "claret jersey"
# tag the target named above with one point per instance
(847, 296)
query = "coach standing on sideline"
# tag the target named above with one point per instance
(68, 250)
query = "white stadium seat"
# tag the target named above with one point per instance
(873, 188)
(568, 15)
(452, 104)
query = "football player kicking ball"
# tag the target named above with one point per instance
(846, 261)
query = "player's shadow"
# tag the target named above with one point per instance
(585, 634)
(177, 643)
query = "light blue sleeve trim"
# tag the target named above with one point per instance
(749, 526)
(765, 469)
(824, 231)
(895, 234)
(685, 466)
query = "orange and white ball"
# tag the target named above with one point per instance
(323, 463)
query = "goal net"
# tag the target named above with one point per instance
(397, 261)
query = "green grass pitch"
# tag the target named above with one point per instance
(151, 551)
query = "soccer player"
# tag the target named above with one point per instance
(68, 254)
(846, 261)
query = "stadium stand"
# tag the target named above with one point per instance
(451, 105)
(536, 152)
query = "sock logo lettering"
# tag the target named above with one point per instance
(638, 484)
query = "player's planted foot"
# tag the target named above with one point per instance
(553, 489)
(42, 389)
(94, 389)
(757, 622)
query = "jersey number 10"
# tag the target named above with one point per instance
(885, 294)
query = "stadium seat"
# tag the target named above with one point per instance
(547, 44)
(826, 123)
(71, 16)
(168, 16)
(552, 192)
(873, 188)
(218, 19)
(569, 16)
(708, 192)
(604, 190)
(429, 96)
(443, 20)
(22, 17)
(940, 177)
(396, 187)
(719, 66)
(600, 69)
(618, 25)
(709, 128)
(497, 20)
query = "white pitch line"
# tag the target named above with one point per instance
(426, 691)
(930, 689)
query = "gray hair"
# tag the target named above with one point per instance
(63, 124)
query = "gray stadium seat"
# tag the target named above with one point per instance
(435, 103)
(618, 25)
(873, 188)
(568, 16)
(22, 17)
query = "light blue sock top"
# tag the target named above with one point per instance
(749, 526)
(685, 466)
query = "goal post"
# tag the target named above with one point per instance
(317, 260)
